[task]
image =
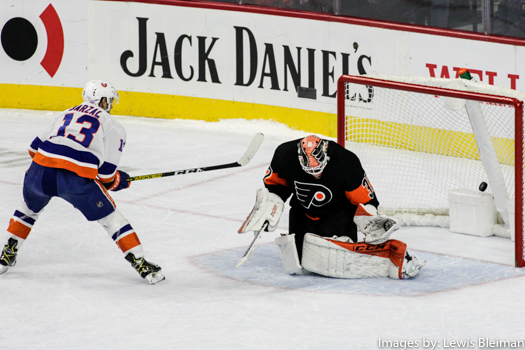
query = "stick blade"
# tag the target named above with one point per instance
(245, 258)
(252, 149)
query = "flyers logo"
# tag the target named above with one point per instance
(19, 39)
(312, 194)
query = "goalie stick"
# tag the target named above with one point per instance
(246, 157)
(252, 246)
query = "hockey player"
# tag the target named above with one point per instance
(331, 196)
(76, 159)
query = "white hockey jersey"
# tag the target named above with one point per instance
(83, 139)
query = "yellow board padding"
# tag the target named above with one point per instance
(213, 110)
(51, 98)
(170, 107)
(387, 134)
(423, 139)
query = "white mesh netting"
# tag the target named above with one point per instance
(417, 147)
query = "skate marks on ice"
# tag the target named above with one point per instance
(441, 273)
(9, 158)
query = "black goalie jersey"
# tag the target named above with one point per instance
(342, 183)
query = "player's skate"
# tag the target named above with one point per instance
(151, 272)
(412, 266)
(8, 257)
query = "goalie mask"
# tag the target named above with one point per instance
(95, 90)
(312, 155)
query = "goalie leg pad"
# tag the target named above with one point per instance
(337, 257)
(288, 253)
(402, 264)
(341, 259)
(268, 208)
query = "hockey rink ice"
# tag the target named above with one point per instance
(72, 289)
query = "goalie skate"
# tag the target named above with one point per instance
(150, 272)
(412, 266)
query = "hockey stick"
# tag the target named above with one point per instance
(252, 246)
(246, 157)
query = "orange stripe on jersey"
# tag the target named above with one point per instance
(107, 180)
(312, 217)
(86, 172)
(128, 242)
(359, 195)
(18, 229)
(274, 179)
(31, 153)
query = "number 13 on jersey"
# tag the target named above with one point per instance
(79, 128)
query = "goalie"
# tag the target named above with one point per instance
(331, 198)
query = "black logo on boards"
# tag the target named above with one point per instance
(171, 60)
(19, 39)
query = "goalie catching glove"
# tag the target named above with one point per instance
(268, 209)
(377, 229)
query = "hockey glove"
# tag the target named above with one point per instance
(120, 182)
(377, 229)
(268, 208)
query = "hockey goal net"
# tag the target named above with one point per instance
(420, 138)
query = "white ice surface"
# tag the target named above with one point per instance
(72, 289)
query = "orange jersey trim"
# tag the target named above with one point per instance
(312, 217)
(18, 229)
(128, 242)
(86, 172)
(108, 180)
(359, 195)
(274, 179)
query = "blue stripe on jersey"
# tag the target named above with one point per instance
(36, 143)
(66, 151)
(107, 169)
(24, 217)
(120, 232)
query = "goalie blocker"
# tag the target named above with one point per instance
(268, 208)
(339, 257)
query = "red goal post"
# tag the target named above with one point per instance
(418, 138)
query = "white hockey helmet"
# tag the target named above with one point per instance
(95, 90)
(312, 151)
